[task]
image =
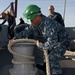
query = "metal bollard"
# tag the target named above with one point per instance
(23, 63)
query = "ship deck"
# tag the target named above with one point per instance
(67, 64)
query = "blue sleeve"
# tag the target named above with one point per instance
(26, 33)
(22, 34)
(56, 34)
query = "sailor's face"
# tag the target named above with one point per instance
(51, 10)
(36, 20)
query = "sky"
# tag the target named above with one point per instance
(43, 4)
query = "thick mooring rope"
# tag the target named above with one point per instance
(47, 62)
(25, 56)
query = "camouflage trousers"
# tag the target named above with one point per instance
(54, 57)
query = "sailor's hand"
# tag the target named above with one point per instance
(37, 43)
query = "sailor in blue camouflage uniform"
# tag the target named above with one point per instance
(51, 35)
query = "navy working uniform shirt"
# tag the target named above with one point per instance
(53, 37)
(21, 27)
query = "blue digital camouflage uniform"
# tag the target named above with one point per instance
(21, 27)
(53, 36)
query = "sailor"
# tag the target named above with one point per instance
(50, 33)
(11, 23)
(21, 21)
(55, 15)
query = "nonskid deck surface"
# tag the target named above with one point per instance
(68, 65)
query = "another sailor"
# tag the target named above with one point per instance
(55, 15)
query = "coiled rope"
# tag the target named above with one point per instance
(10, 45)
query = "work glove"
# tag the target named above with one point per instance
(43, 45)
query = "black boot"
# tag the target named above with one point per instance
(41, 67)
